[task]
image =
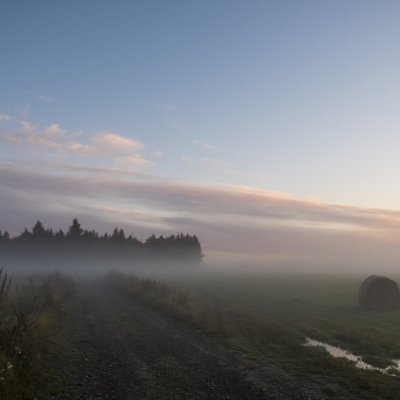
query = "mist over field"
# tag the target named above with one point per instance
(258, 248)
(193, 196)
(269, 133)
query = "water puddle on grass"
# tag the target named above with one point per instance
(339, 353)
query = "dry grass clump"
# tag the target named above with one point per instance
(176, 303)
(27, 317)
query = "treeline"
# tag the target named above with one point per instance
(81, 243)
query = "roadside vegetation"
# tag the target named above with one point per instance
(270, 317)
(30, 310)
(179, 304)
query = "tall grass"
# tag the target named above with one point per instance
(177, 303)
(28, 316)
(227, 323)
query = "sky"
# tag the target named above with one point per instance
(270, 129)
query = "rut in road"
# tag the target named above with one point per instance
(118, 349)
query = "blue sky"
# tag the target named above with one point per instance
(284, 99)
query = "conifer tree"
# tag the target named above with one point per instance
(38, 230)
(60, 234)
(25, 236)
(115, 236)
(151, 241)
(121, 236)
(75, 231)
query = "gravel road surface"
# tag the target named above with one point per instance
(118, 349)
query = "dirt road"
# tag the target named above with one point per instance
(117, 349)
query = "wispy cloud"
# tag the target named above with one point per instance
(110, 144)
(254, 223)
(177, 126)
(187, 158)
(238, 201)
(45, 99)
(211, 162)
(220, 167)
(50, 136)
(4, 117)
(209, 146)
(23, 112)
(106, 144)
(232, 172)
(170, 106)
(204, 145)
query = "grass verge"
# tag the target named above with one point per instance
(29, 314)
(179, 304)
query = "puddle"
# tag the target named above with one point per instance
(339, 353)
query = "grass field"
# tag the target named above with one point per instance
(321, 307)
(270, 316)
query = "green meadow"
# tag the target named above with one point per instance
(269, 318)
(320, 307)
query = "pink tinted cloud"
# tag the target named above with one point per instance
(243, 222)
(51, 136)
(106, 144)
(238, 202)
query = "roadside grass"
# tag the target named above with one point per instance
(270, 316)
(29, 313)
(176, 303)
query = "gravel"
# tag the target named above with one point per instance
(115, 348)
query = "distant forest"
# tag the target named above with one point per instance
(78, 243)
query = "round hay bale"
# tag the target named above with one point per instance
(379, 293)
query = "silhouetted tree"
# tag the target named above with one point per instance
(151, 241)
(38, 230)
(90, 236)
(133, 242)
(45, 242)
(60, 234)
(75, 231)
(198, 252)
(25, 238)
(49, 233)
(115, 236)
